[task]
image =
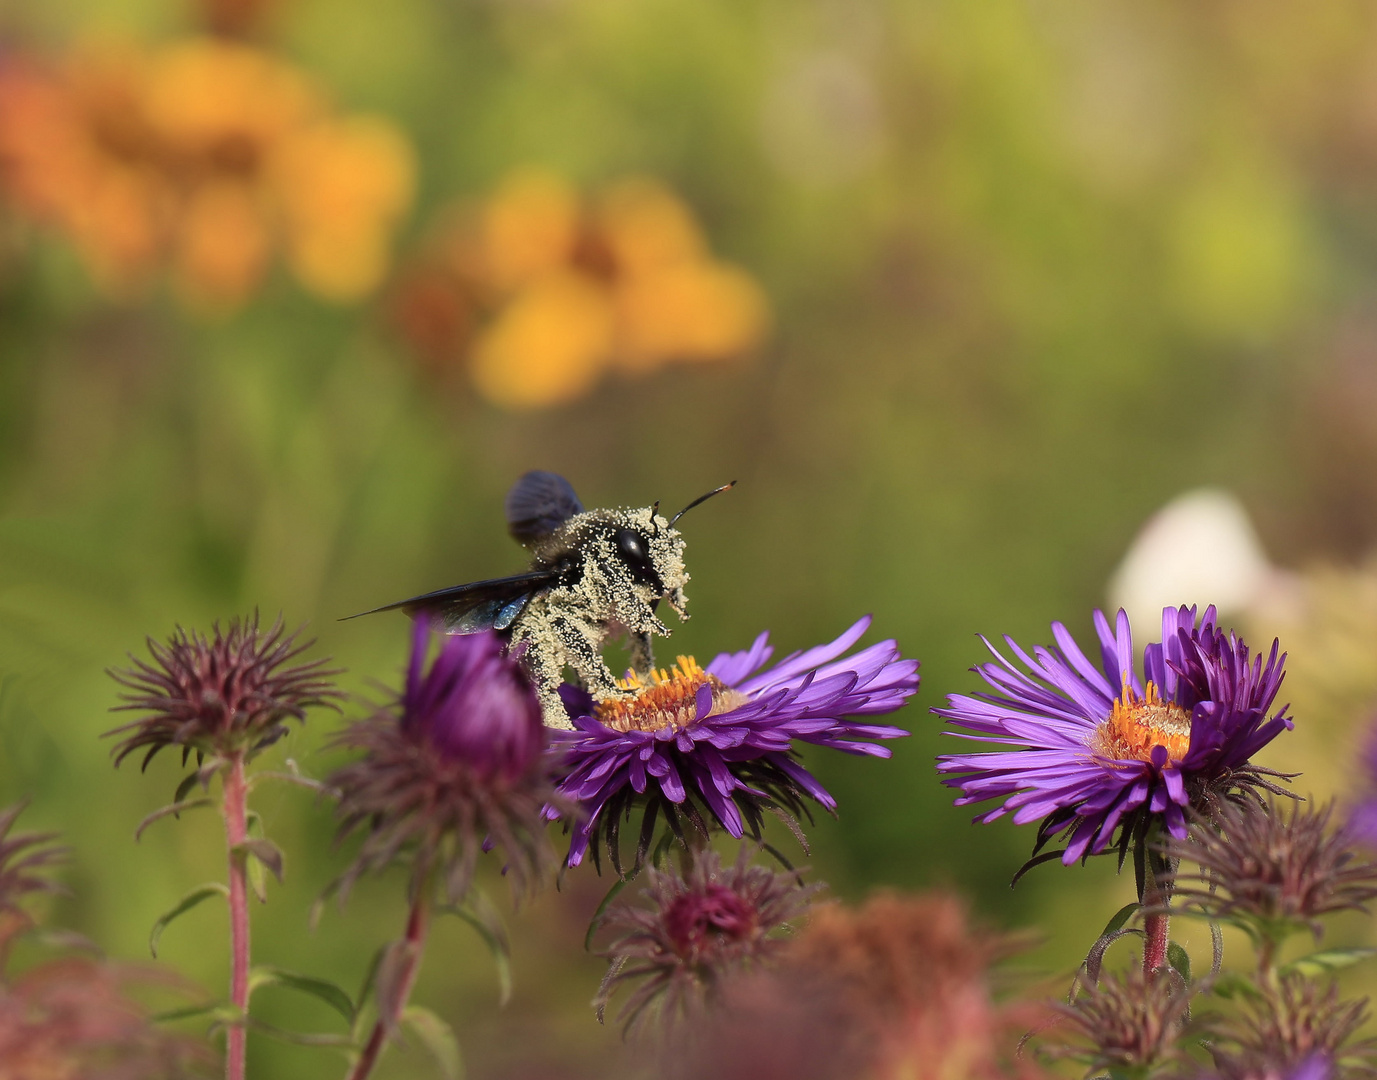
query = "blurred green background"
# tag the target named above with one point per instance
(1034, 269)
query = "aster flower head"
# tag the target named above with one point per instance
(699, 927)
(1094, 751)
(1270, 872)
(231, 691)
(716, 745)
(458, 763)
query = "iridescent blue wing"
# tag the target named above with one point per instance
(538, 504)
(479, 605)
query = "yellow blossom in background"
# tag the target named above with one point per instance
(571, 288)
(202, 158)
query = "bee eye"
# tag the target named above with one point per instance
(635, 552)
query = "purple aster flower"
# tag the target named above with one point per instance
(1095, 750)
(716, 744)
(458, 763)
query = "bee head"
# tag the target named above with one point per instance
(652, 552)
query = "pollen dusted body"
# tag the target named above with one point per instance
(613, 567)
(594, 575)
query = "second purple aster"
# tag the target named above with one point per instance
(1094, 749)
(716, 745)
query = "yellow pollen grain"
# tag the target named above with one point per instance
(1135, 725)
(665, 698)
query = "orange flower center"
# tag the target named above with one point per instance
(1135, 725)
(665, 698)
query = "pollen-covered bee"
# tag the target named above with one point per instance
(595, 574)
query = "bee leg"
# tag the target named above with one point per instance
(546, 670)
(642, 654)
(580, 641)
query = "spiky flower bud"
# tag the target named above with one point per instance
(1127, 1021)
(698, 927)
(76, 1019)
(1293, 1025)
(1271, 871)
(457, 763)
(25, 860)
(229, 692)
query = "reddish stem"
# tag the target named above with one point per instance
(416, 926)
(1155, 943)
(235, 810)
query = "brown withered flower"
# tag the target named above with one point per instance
(898, 988)
(1273, 870)
(1127, 1020)
(456, 765)
(700, 926)
(1291, 1023)
(229, 692)
(75, 1019)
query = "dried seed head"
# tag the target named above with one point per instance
(458, 764)
(229, 692)
(1273, 869)
(1295, 1025)
(698, 927)
(1127, 1020)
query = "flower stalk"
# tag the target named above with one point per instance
(390, 1011)
(234, 807)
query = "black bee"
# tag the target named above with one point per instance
(594, 574)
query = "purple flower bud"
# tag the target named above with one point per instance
(474, 706)
(456, 767)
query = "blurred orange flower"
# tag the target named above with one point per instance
(203, 157)
(569, 288)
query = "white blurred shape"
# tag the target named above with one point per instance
(1200, 548)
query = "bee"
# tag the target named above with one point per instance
(595, 575)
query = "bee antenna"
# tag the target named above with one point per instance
(701, 499)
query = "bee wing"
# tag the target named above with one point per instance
(538, 504)
(479, 605)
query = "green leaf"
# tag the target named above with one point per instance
(189, 901)
(596, 921)
(438, 1038)
(1232, 985)
(174, 809)
(370, 977)
(186, 1012)
(322, 989)
(184, 788)
(483, 917)
(1179, 959)
(265, 852)
(1120, 917)
(301, 1038)
(1317, 963)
